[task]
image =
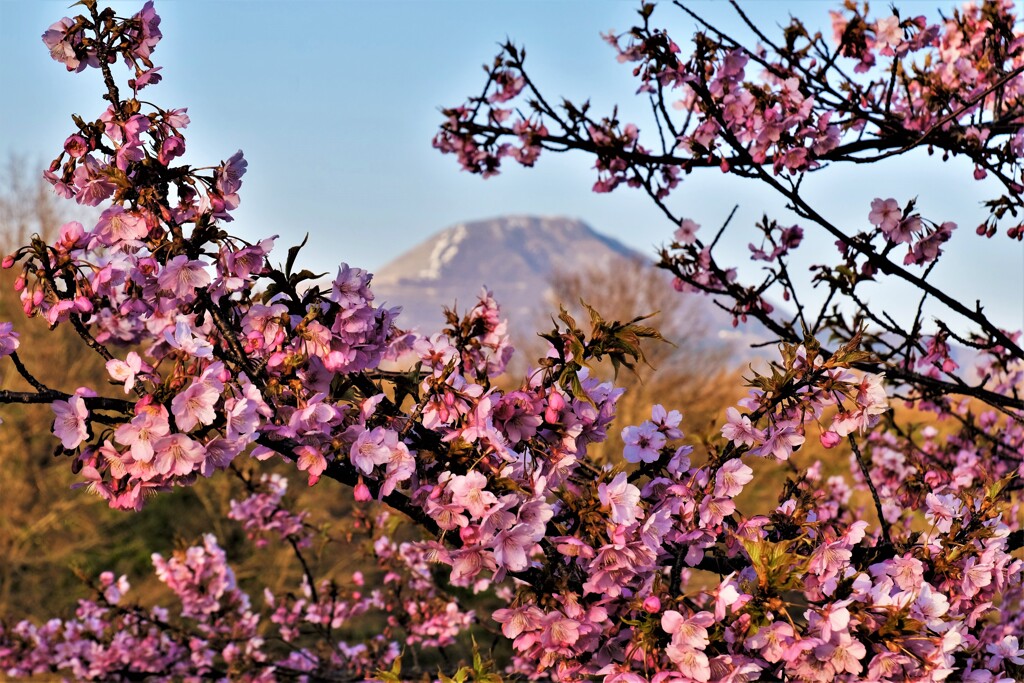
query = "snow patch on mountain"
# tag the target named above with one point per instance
(445, 250)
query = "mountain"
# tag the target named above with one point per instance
(515, 257)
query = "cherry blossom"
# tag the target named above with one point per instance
(70, 423)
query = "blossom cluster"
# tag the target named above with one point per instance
(949, 85)
(215, 630)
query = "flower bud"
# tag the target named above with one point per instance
(554, 407)
(652, 604)
(361, 491)
(829, 439)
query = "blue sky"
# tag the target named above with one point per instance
(335, 104)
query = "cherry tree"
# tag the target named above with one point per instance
(643, 569)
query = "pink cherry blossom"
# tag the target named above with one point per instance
(9, 341)
(176, 454)
(885, 214)
(517, 620)
(183, 338)
(125, 371)
(140, 434)
(181, 276)
(310, 459)
(772, 640)
(643, 443)
(194, 405)
(1007, 648)
(942, 510)
(731, 478)
(70, 424)
(229, 177)
(511, 546)
(370, 449)
(780, 442)
(888, 32)
(468, 490)
(740, 429)
(686, 233)
(621, 498)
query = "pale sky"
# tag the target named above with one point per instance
(335, 104)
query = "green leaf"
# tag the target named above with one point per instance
(478, 661)
(460, 676)
(774, 564)
(646, 332)
(577, 349)
(304, 275)
(570, 381)
(293, 254)
(394, 675)
(596, 320)
(567, 319)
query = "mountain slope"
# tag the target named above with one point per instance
(515, 257)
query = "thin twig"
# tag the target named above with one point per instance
(871, 486)
(23, 371)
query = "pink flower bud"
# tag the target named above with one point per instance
(555, 405)
(361, 491)
(8, 261)
(830, 439)
(652, 604)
